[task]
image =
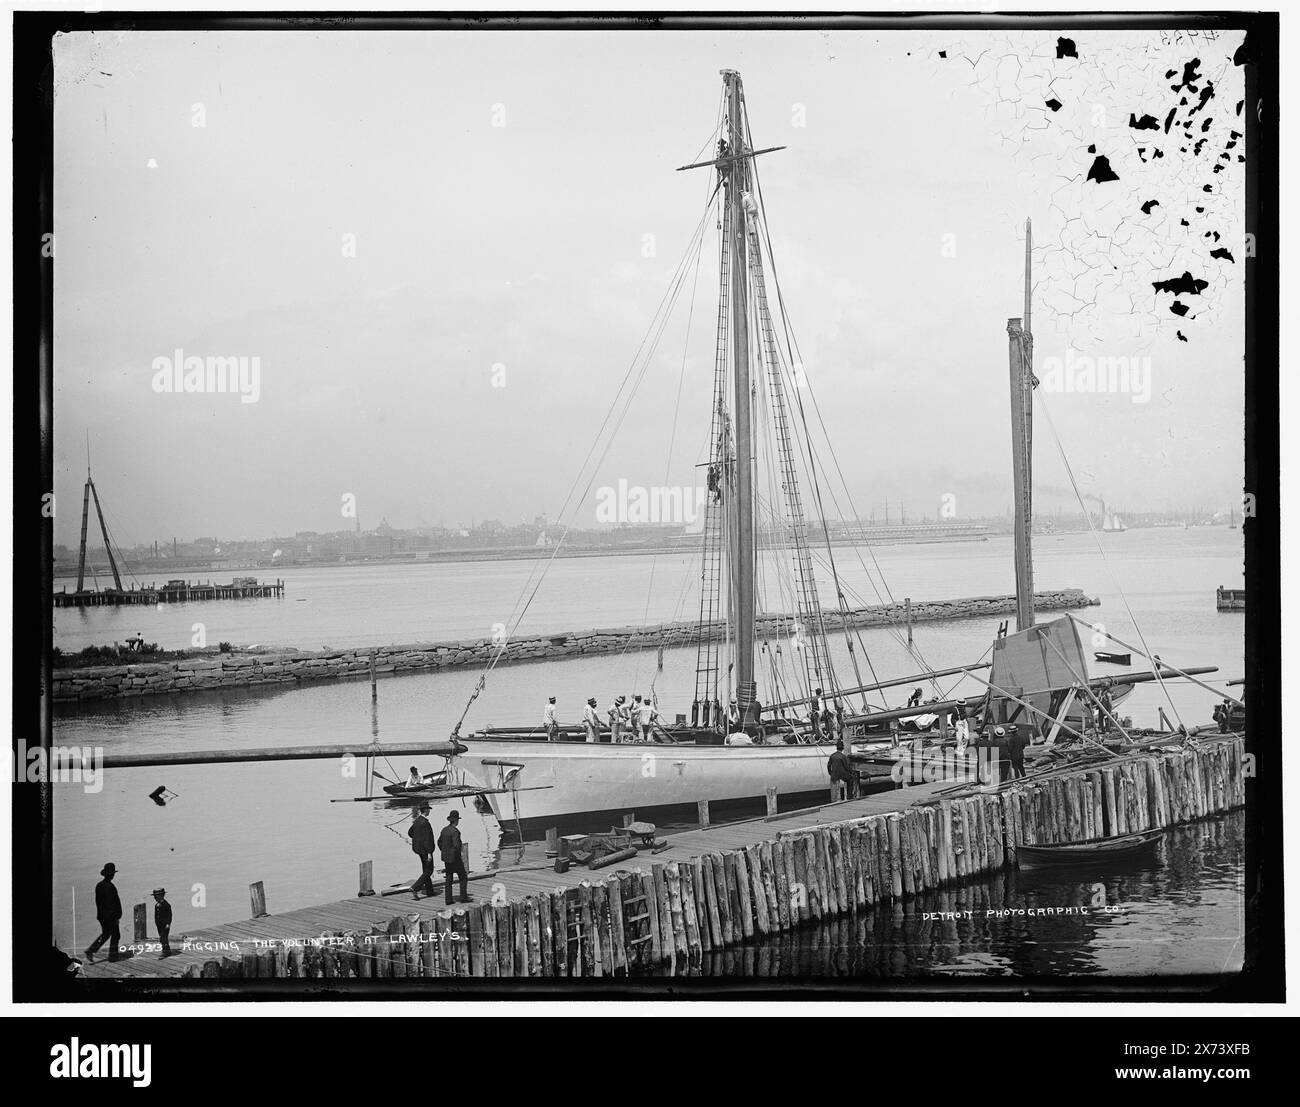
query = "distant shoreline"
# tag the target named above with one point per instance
(508, 553)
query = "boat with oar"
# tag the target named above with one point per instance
(429, 787)
(1093, 851)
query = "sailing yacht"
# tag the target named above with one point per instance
(719, 753)
(768, 701)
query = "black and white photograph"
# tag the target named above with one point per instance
(611, 507)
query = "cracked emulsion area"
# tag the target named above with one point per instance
(1137, 137)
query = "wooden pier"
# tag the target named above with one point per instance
(714, 888)
(172, 592)
(1230, 599)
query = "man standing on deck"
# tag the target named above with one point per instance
(815, 715)
(1016, 744)
(108, 910)
(591, 720)
(840, 770)
(616, 720)
(453, 857)
(551, 722)
(422, 845)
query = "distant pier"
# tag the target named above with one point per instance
(207, 671)
(174, 591)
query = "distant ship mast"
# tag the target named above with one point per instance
(90, 491)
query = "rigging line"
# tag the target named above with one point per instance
(595, 469)
(657, 325)
(539, 569)
(891, 628)
(1069, 472)
(795, 354)
(796, 388)
(1082, 681)
(677, 404)
(1003, 692)
(785, 524)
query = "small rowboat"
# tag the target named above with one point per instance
(434, 784)
(1090, 852)
(1114, 658)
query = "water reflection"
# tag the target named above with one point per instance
(1182, 914)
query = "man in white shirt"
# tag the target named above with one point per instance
(551, 722)
(591, 720)
(646, 718)
(617, 715)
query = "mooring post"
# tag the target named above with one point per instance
(374, 688)
(140, 917)
(552, 842)
(703, 807)
(771, 800)
(907, 606)
(257, 897)
(366, 879)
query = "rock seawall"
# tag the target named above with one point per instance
(238, 670)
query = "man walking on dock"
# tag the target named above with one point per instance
(422, 845)
(108, 910)
(162, 919)
(453, 857)
(551, 722)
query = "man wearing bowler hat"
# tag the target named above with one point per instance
(108, 910)
(453, 857)
(422, 844)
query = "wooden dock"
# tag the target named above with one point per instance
(714, 888)
(184, 592)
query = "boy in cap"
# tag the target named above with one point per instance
(162, 919)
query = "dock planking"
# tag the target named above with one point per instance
(734, 882)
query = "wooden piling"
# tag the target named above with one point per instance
(719, 936)
(655, 954)
(702, 812)
(771, 800)
(758, 890)
(257, 899)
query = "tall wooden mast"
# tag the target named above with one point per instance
(1021, 352)
(735, 168)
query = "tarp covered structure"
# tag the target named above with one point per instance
(1034, 664)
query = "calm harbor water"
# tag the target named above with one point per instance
(231, 825)
(1180, 914)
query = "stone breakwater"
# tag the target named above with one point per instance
(288, 667)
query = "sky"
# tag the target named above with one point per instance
(445, 249)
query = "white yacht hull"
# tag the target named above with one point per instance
(561, 781)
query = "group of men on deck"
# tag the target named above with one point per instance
(626, 722)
